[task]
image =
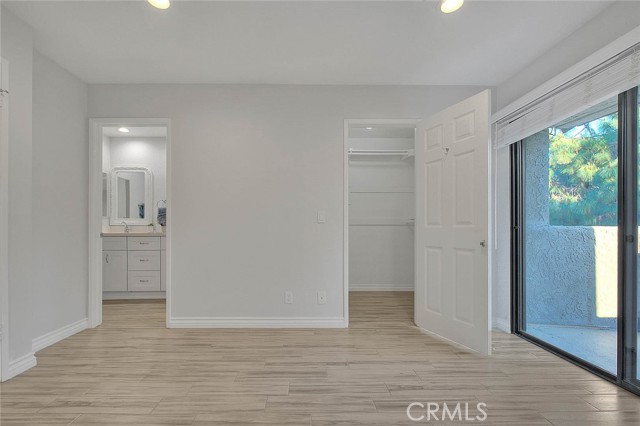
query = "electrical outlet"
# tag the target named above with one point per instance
(288, 297)
(322, 297)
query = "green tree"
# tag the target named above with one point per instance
(583, 174)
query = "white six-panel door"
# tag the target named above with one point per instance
(452, 286)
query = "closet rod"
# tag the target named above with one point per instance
(406, 153)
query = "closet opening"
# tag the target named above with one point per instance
(379, 219)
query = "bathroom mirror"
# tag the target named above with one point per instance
(131, 196)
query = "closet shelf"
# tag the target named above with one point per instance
(403, 153)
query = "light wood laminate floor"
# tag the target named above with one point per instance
(133, 371)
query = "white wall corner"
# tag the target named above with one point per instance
(55, 336)
(20, 365)
(256, 322)
(501, 324)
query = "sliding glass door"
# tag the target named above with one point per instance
(575, 238)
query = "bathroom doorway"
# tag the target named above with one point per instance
(129, 215)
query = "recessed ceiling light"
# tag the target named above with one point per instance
(448, 6)
(369, 128)
(123, 130)
(160, 4)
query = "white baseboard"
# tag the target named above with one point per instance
(20, 365)
(257, 322)
(381, 287)
(55, 336)
(502, 325)
(135, 295)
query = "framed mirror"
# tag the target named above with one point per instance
(131, 196)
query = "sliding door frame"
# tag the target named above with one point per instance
(627, 255)
(628, 237)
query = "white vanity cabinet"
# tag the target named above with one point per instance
(133, 264)
(114, 270)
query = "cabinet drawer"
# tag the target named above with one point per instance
(114, 243)
(143, 243)
(144, 260)
(144, 281)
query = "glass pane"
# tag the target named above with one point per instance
(571, 235)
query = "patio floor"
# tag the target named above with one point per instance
(595, 345)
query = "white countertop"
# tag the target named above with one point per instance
(133, 234)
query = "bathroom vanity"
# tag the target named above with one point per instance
(133, 265)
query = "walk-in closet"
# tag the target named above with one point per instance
(381, 206)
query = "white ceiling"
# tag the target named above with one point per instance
(300, 42)
(136, 132)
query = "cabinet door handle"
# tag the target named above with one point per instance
(107, 258)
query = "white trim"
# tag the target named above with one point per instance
(133, 295)
(95, 210)
(345, 191)
(20, 365)
(46, 340)
(607, 52)
(258, 322)
(345, 221)
(502, 325)
(4, 225)
(168, 228)
(381, 287)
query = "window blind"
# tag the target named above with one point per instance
(605, 81)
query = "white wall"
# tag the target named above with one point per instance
(145, 152)
(60, 197)
(17, 49)
(48, 172)
(615, 21)
(251, 166)
(381, 201)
